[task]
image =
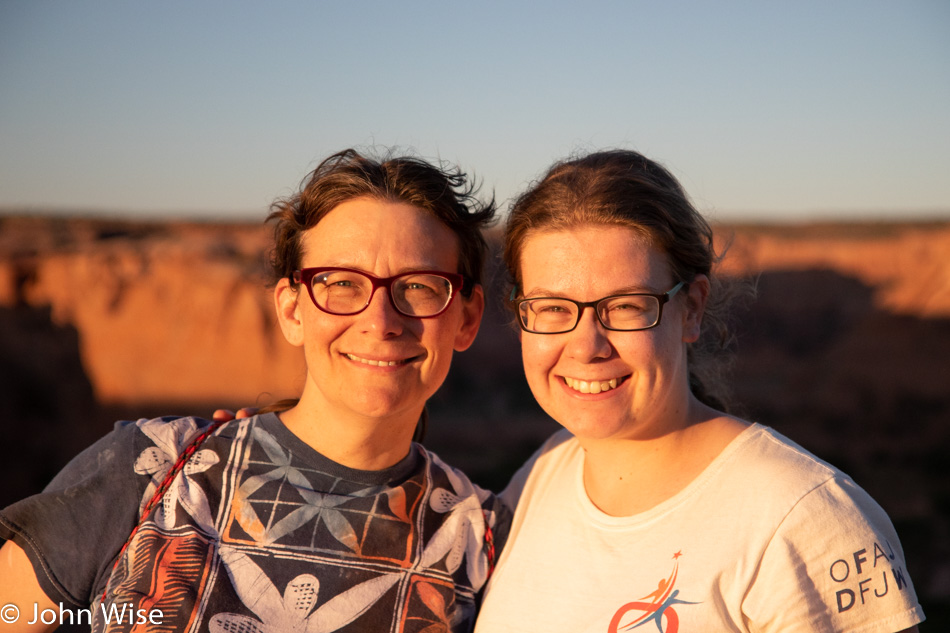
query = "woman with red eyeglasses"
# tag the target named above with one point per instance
(318, 514)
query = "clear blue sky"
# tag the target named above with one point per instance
(765, 110)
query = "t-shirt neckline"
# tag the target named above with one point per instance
(302, 451)
(660, 510)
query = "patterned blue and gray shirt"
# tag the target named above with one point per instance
(258, 532)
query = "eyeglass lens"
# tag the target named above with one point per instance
(625, 312)
(413, 294)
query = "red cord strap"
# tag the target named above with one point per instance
(489, 545)
(162, 489)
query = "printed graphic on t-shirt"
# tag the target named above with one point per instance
(656, 607)
(867, 574)
(251, 538)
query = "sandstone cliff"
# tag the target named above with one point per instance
(165, 313)
(846, 349)
(178, 312)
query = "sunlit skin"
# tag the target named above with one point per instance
(363, 415)
(19, 586)
(650, 365)
(649, 432)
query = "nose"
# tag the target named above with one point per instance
(588, 341)
(380, 316)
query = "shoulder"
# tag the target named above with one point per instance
(768, 483)
(826, 510)
(442, 474)
(846, 558)
(765, 458)
(790, 494)
(561, 445)
(471, 517)
(131, 445)
(452, 485)
(825, 532)
(171, 434)
(821, 495)
(557, 452)
(102, 488)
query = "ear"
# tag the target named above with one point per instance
(288, 311)
(696, 298)
(472, 310)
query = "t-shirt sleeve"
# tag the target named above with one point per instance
(73, 530)
(834, 564)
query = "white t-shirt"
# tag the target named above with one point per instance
(767, 538)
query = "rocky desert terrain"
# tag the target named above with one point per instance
(846, 349)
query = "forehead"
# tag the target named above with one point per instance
(592, 260)
(381, 236)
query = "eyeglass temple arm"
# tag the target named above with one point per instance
(672, 291)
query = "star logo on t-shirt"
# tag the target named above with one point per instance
(655, 607)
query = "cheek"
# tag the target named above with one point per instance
(655, 354)
(438, 339)
(315, 348)
(439, 344)
(437, 335)
(539, 354)
(320, 330)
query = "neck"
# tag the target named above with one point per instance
(623, 477)
(355, 441)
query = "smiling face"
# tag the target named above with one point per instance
(377, 364)
(603, 384)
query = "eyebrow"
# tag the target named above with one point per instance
(626, 290)
(401, 271)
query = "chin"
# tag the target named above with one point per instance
(380, 405)
(581, 426)
(593, 424)
(591, 431)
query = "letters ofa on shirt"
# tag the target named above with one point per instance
(875, 582)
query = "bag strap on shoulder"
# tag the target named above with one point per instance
(162, 488)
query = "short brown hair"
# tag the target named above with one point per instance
(444, 192)
(624, 188)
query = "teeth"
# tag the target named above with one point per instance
(593, 386)
(374, 363)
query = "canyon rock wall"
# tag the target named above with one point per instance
(178, 312)
(846, 349)
(164, 312)
(907, 266)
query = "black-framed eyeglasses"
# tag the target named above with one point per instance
(420, 294)
(621, 313)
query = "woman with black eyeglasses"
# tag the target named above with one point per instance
(319, 514)
(654, 509)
